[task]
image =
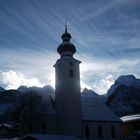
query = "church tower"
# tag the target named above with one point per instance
(67, 89)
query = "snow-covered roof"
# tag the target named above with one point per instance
(130, 118)
(50, 137)
(94, 109)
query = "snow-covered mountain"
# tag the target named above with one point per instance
(15, 102)
(89, 93)
(9, 96)
(126, 80)
(44, 90)
(23, 89)
(124, 95)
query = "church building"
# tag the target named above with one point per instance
(79, 116)
(70, 113)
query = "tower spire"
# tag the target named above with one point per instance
(66, 48)
(65, 26)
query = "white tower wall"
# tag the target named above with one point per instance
(68, 96)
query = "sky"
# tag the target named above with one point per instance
(106, 34)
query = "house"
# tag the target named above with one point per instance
(131, 125)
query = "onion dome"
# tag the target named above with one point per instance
(66, 48)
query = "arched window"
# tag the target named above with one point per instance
(100, 135)
(113, 132)
(87, 135)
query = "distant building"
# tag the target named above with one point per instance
(131, 125)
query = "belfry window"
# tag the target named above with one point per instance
(87, 135)
(71, 73)
(100, 135)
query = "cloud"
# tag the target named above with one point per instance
(107, 32)
(30, 63)
(100, 74)
(103, 85)
(12, 80)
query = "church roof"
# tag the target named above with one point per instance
(94, 109)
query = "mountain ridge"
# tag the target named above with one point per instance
(123, 97)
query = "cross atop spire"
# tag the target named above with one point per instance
(66, 36)
(65, 26)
